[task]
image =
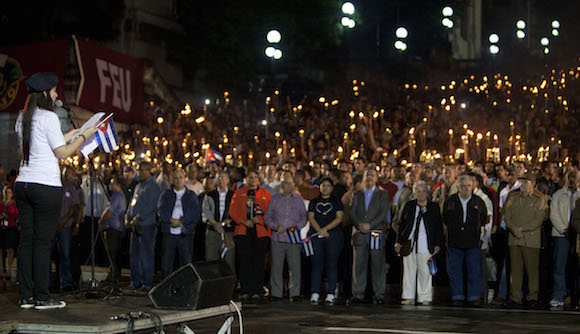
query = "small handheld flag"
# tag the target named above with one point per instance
(375, 240)
(307, 245)
(432, 264)
(293, 235)
(213, 155)
(224, 248)
(107, 135)
(257, 210)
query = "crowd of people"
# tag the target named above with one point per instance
(332, 187)
(504, 235)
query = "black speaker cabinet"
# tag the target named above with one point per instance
(195, 286)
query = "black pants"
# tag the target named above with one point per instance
(101, 258)
(39, 209)
(113, 240)
(251, 255)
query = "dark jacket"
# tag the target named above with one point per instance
(462, 235)
(215, 196)
(191, 210)
(432, 220)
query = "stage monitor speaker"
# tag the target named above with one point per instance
(195, 286)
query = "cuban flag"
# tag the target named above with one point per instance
(213, 156)
(375, 241)
(224, 248)
(293, 235)
(107, 136)
(307, 245)
(432, 264)
(257, 210)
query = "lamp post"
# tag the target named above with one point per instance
(348, 11)
(272, 51)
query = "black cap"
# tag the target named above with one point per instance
(41, 81)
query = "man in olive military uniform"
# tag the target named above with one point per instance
(524, 212)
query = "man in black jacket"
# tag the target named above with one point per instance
(464, 214)
(220, 228)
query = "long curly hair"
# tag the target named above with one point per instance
(34, 100)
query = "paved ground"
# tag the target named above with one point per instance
(285, 317)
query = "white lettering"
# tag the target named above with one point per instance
(114, 70)
(126, 90)
(103, 79)
(111, 75)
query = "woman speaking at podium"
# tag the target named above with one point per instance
(38, 187)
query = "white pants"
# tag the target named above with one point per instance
(417, 278)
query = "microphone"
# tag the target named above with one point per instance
(60, 104)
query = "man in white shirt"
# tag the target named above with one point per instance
(179, 212)
(192, 183)
(220, 228)
(271, 179)
(561, 208)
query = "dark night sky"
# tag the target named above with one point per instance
(226, 38)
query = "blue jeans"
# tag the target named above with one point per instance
(62, 240)
(142, 254)
(183, 244)
(502, 290)
(326, 255)
(561, 250)
(455, 257)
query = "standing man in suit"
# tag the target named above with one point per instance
(369, 215)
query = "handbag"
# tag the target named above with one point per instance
(406, 247)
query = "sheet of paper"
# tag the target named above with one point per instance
(90, 122)
(91, 143)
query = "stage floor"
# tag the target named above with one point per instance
(285, 317)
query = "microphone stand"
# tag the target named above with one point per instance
(92, 290)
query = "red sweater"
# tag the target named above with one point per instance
(11, 213)
(238, 210)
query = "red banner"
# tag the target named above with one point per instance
(111, 82)
(18, 63)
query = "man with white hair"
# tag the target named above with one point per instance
(464, 214)
(447, 187)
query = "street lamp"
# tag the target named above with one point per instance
(447, 22)
(521, 24)
(345, 21)
(270, 51)
(555, 32)
(447, 11)
(545, 41)
(555, 24)
(351, 24)
(273, 36)
(546, 50)
(277, 54)
(400, 45)
(493, 38)
(521, 34)
(347, 8)
(494, 49)
(401, 32)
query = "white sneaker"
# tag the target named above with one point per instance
(329, 299)
(556, 303)
(314, 298)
